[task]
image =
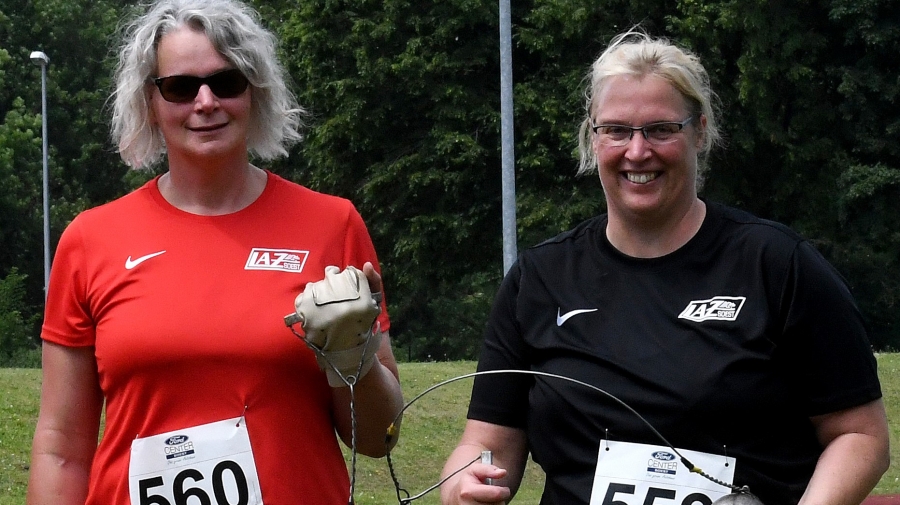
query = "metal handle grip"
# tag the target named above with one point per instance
(488, 459)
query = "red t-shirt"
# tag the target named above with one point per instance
(185, 313)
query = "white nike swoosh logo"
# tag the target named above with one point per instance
(560, 319)
(131, 263)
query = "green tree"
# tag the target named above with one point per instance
(810, 100)
(84, 169)
(17, 348)
(404, 122)
(867, 245)
(21, 202)
(405, 100)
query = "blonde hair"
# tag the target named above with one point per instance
(234, 30)
(635, 53)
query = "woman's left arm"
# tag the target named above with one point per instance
(855, 457)
(377, 400)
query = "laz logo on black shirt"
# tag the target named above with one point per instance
(719, 308)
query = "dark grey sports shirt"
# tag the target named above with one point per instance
(727, 346)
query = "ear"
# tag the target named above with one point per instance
(151, 108)
(701, 131)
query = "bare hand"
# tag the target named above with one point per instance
(470, 487)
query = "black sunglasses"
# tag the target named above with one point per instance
(184, 88)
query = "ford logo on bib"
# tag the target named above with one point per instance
(663, 456)
(177, 439)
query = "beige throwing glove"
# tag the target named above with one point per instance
(337, 315)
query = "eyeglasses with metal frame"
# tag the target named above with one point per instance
(184, 88)
(663, 132)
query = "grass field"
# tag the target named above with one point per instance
(430, 430)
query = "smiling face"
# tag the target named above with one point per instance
(208, 127)
(644, 182)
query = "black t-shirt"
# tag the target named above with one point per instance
(727, 346)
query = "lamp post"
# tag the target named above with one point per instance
(41, 59)
(507, 162)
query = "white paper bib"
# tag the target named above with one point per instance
(210, 464)
(640, 474)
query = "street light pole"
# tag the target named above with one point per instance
(41, 59)
(507, 151)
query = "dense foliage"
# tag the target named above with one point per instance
(16, 348)
(404, 120)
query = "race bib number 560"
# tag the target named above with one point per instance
(210, 464)
(639, 474)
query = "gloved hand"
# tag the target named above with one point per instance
(337, 315)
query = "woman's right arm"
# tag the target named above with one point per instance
(68, 425)
(509, 451)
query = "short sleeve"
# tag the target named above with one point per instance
(502, 398)
(358, 249)
(67, 318)
(827, 349)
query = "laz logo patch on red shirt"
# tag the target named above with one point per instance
(286, 260)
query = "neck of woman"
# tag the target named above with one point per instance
(653, 238)
(214, 189)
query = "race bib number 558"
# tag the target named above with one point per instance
(210, 464)
(640, 474)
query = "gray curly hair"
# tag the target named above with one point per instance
(637, 54)
(235, 31)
